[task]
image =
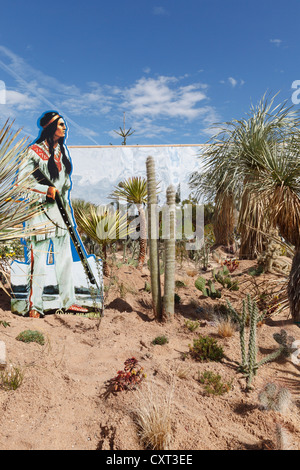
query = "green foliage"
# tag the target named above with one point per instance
(4, 323)
(224, 278)
(29, 336)
(191, 325)
(160, 340)
(147, 287)
(11, 378)
(205, 348)
(213, 383)
(207, 288)
(256, 271)
(249, 364)
(179, 283)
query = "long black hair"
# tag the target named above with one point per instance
(47, 134)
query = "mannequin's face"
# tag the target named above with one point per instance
(60, 130)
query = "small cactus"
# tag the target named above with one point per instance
(208, 288)
(224, 278)
(276, 398)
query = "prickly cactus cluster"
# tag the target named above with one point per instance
(276, 398)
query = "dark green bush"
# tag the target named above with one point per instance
(213, 384)
(29, 336)
(205, 348)
(160, 340)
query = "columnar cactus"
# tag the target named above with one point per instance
(168, 302)
(153, 238)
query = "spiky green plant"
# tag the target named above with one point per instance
(15, 206)
(274, 397)
(134, 190)
(232, 165)
(249, 364)
(104, 226)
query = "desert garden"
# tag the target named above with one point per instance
(195, 349)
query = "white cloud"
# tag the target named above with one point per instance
(21, 101)
(160, 11)
(163, 97)
(276, 42)
(153, 105)
(233, 82)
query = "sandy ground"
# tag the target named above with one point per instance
(62, 402)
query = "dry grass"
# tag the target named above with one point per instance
(225, 328)
(153, 418)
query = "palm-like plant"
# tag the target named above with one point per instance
(232, 166)
(104, 226)
(134, 190)
(278, 183)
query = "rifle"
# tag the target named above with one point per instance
(42, 179)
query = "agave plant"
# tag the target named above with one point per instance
(103, 225)
(134, 190)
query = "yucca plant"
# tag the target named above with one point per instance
(279, 183)
(15, 208)
(232, 165)
(104, 226)
(207, 187)
(134, 190)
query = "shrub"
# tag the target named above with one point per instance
(160, 340)
(29, 336)
(206, 348)
(213, 383)
(191, 325)
(12, 378)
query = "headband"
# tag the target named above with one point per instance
(51, 120)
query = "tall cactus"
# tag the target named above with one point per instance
(153, 239)
(168, 302)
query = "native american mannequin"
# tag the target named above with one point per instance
(48, 153)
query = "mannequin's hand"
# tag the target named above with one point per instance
(51, 194)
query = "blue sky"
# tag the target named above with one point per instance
(174, 67)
